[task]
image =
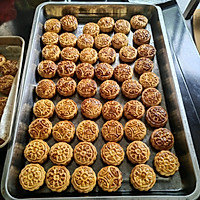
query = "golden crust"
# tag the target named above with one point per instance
(83, 179)
(69, 23)
(146, 50)
(70, 54)
(91, 108)
(149, 80)
(9, 67)
(156, 116)
(50, 38)
(166, 163)
(109, 178)
(2, 59)
(112, 131)
(91, 29)
(3, 101)
(61, 153)
(46, 89)
(51, 52)
(52, 25)
(102, 40)
(89, 55)
(119, 40)
(107, 55)
(47, 69)
(112, 153)
(123, 72)
(6, 84)
(104, 71)
(67, 40)
(143, 65)
(66, 68)
(85, 41)
(106, 24)
(84, 70)
(138, 21)
(128, 54)
(122, 26)
(66, 109)
(141, 36)
(32, 177)
(87, 131)
(57, 178)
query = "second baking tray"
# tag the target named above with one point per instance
(184, 184)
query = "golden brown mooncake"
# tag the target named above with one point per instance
(135, 130)
(141, 36)
(131, 88)
(3, 101)
(9, 67)
(91, 108)
(85, 41)
(85, 153)
(67, 40)
(102, 40)
(146, 50)
(6, 84)
(69, 23)
(119, 40)
(2, 59)
(32, 177)
(112, 153)
(61, 153)
(166, 163)
(52, 25)
(143, 65)
(66, 109)
(91, 29)
(40, 128)
(156, 116)
(112, 131)
(122, 26)
(142, 177)
(66, 68)
(87, 131)
(83, 179)
(128, 54)
(134, 109)
(46, 89)
(112, 110)
(138, 21)
(63, 131)
(51, 52)
(43, 108)
(149, 80)
(107, 55)
(106, 24)
(57, 178)
(123, 72)
(162, 139)
(47, 69)
(109, 178)
(109, 89)
(89, 55)
(84, 70)
(36, 151)
(104, 71)
(50, 38)
(70, 54)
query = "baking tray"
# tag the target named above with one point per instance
(12, 48)
(183, 185)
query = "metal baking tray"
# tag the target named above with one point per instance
(12, 48)
(185, 184)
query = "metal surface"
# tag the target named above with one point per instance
(185, 184)
(190, 8)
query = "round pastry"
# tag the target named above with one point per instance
(135, 130)
(69, 23)
(36, 151)
(162, 139)
(40, 128)
(109, 89)
(128, 54)
(6, 84)
(122, 26)
(91, 108)
(107, 55)
(142, 177)
(32, 177)
(47, 69)
(52, 25)
(104, 71)
(66, 69)
(9, 67)
(149, 80)
(123, 72)
(43, 108)
(61, 153)
(87, 88)
(84, 70)
(131, 88)
(85, 153)
(51, 52)
(151, 97)
(112, 110)
(138, 21)
(57, 178)
(166, 163)
(109, 178)
(2, 59)
(66, 86)
(134, 109)
(102, 40)
(87, 131)
(112, 131)
(141, 36)
(156, 116)
(63, 131)
(70, 54)
(146, 50)
(50, 38)
(119, 40)
(3, 101)
(106, 24)
(85, 41)
(143, 65)
(46, 89)
(83, 179)
(67, 40)
(66, 109)
(91, 29)
(138, 152)
(89, 55)
(112, 153)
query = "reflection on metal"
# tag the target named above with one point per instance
(190, 9)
